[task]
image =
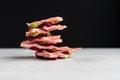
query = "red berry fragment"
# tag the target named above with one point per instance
(48, 24)
(34, 48)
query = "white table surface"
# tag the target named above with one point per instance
(86, 64)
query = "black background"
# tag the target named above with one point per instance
(91, 23)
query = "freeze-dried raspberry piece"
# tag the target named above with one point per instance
(48, 24)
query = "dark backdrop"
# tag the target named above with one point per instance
(91, 23)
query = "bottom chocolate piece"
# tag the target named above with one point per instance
(42, 57)
(51, 56)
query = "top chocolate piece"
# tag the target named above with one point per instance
(52, 20)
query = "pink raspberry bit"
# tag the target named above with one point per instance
(48, 24)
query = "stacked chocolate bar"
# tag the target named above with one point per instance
(40, 39)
